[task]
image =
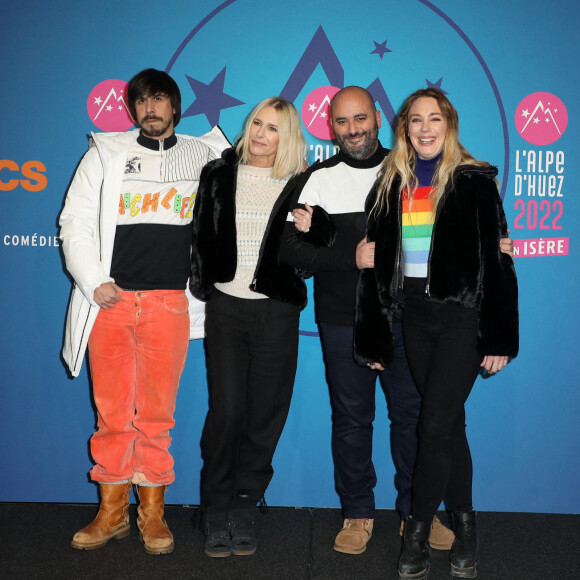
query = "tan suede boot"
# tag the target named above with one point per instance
(112, 521)
(441, 536)
(151, 523)
(354, 536)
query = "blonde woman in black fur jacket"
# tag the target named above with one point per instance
(252, 314)
(436, 219)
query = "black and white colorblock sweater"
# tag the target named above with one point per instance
(340, 186)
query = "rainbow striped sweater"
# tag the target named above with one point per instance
(418, 218)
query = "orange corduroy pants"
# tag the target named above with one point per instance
(137, 352)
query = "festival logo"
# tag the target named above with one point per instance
(541, 118)
(108, 108)
(316, 112)
(540, 178)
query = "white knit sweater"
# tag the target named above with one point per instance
(256, 193)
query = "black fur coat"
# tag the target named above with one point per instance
(214, 251)
(466, 267)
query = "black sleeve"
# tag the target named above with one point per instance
(498, 320)
(314, 251)
(373, 338)
(203, 234)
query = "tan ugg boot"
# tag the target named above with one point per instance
(151, 523)
(354, 536)
(112, 521)
(441, 536)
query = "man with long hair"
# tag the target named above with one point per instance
(126, 237)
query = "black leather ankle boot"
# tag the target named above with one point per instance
(414, 559)
(464, 552)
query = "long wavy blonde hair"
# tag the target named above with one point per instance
(403, 158)
(291, 152)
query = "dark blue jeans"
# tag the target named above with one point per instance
(352, 396)
(440, 341)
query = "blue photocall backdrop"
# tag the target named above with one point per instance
(509, 68)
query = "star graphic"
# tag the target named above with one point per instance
(525, 113)
(312, 107)
(380, 48)
(210, 99)
(120, 107)
(547, 120)
(98, 101)
(436, 85)
(323, 114)
(109, 107)
(536, 120)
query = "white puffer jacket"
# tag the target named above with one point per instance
(87, 230)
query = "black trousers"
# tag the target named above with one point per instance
(440, 341)
(251, 355)
(352, 396)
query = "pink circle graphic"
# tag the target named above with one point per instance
(541, 118)
(108, 108)
(316, 112)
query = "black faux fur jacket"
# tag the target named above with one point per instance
(466, 267)
(214, 252)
